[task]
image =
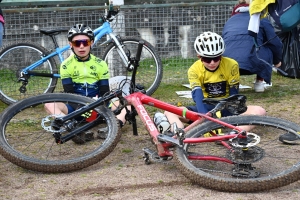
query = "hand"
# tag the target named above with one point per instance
(278, 65)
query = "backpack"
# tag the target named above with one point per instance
(286, 13)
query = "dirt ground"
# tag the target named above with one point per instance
(123, 175)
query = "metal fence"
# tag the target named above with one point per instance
(170, 28)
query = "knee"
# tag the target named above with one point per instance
(258, 110)
(255, 110)
(261, 111)
(47, 106)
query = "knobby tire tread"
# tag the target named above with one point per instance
(233, 184)
(19, 159)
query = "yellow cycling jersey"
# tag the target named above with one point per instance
(217, 83)
(84, 72)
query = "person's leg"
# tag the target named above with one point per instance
(1, 33)
(259, 85)
(121, 116)
(173, 118)
(254, 110)
(56, 108)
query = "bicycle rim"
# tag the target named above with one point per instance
(267, 165)
(27, 141)
(16, 57)
(150, 71)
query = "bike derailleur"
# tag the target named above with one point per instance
(24, 79)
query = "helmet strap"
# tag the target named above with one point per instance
(80, 57)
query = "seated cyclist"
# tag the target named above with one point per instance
(82, 73)
(212, 76)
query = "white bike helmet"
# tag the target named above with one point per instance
(209, 44)
(80, 29)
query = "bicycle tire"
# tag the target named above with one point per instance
(16, 56)
(150, 70)
(277, 163)
(27, 143)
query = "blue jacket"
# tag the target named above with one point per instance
(240, 46)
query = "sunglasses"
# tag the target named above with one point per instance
(85, 42)
(208, 60)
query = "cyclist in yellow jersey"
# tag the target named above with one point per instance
(212, 76)
(82, 73)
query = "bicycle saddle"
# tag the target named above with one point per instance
(235, 104)
(52, 32)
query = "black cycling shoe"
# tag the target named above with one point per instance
(83, 137)
(289, 138)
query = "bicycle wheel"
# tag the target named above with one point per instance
(150, 71)
(17, 56)
(264, 166)
(26, 137)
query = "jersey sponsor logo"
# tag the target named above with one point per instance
(105, 73)
(98, 60)
(234, 70)
(94, 74)
(93, 68)
(215, 89)
(222, 77)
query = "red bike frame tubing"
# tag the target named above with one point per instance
(138, 99)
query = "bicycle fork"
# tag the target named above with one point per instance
(119, 47)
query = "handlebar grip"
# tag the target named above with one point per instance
(111, 6)
(139, 50)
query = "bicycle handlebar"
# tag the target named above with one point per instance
(109, 15)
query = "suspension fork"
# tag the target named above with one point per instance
(119, 46)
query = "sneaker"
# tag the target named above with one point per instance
(259, 86)
(289, 138)
(83, 137)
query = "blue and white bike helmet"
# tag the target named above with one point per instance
(80, 29)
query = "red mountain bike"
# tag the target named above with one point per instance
(230, 159)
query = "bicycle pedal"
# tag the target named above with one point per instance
(148, 151)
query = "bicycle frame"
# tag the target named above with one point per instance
(138, 100)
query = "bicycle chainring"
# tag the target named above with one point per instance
(246, 155)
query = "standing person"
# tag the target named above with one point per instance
(82, 73)
(240, 45)
(2, 22)
(212, 76)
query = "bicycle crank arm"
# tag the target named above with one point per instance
(165, 138)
